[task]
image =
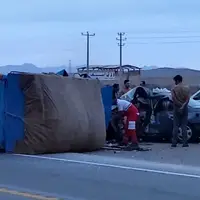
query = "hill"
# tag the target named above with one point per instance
(28, 67)
(163, 77)
(169, 72)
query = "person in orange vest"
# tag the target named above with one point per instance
(128, 110)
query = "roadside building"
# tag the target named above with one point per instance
(110, 74)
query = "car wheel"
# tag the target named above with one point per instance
(189, 133)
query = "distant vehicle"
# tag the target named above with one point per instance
(161, 122)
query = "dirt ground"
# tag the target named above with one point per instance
(160, 152)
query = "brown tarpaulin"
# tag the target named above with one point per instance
(62, 114)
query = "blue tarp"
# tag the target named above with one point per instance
(2, 86)
(14, 112)
(106, 93)
(62, 73)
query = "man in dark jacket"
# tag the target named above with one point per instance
(180, 97)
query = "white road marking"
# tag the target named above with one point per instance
(165, 172)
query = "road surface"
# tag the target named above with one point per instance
(95, 177)
(161, 152)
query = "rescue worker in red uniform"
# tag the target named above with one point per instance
(128, 110)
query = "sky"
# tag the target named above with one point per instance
(164, 33)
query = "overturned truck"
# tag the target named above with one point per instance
(52, 113)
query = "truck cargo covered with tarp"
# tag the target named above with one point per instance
(50, 113)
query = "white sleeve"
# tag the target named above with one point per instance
(120, 106)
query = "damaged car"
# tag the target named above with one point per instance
(156, 114)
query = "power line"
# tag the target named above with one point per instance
(162, 32)
(172, 34)
(165, 37)
(88, 35)
(172, 42)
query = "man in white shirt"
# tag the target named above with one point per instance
(128, 110)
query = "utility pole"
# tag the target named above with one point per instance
(121, 43)
(88, 35)
(70, 67)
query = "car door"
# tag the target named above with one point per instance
(164, 117)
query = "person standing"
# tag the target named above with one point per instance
(115, 91)
(115, 119)
(126, 87)
(180, 97)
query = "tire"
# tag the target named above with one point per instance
(190, 134)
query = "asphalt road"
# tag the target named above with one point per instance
(95, 177)
(161, 152)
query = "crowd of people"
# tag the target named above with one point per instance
(128, 113)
